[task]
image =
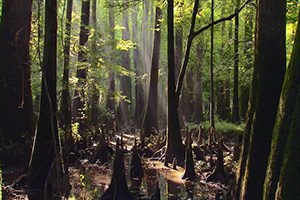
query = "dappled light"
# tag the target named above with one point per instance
(149, 100)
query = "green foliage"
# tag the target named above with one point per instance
(125, 45)
(75, 133)
(222, 127)
(292, 11)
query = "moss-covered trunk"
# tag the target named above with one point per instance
(270, 64)
(284, 159)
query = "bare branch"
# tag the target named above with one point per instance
(230, 17)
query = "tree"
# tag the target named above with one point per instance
(235, 105)
(150, 119)
(248, 49)
(139, 91)
(212, 101)
(269, 69)
(282, 177)
(175, 148)
(198, 89)
(65, 106)
(125, 80)
(95, 92)
(16, 109)
(45, 167)
(111, 88)
(79, 99)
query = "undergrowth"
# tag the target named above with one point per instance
(222, 127)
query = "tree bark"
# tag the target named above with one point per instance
(46, 161)
(65, 103)
(198, 103)
(124, 107)
(95, 92)
(270, 64)
(212, 102)
(139, 90)
(282, 177)
(150, 118)
(111, 88)
(248, 49)
(16, 105)
(235, 105)
(175, 148)
(79, 99)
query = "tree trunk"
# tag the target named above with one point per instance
(65, 106)
(283, 173)
(224, 110)
(79, 99)
(175, 148)
(111, 77)
(139, 90)
(45, 168)
(95, 92)
(150, 118)
(270, 64)
(198, 103)
(248, 49)
(145, 40)
(16, 105)
(124, 107)
(198, 88)
(235, 102)
(178, 60)
(212, 102)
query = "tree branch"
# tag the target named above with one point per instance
(221, 20)
(192, 35)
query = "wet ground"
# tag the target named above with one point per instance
(89, 181)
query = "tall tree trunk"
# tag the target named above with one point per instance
(198, 89)
(235, 104)
(139, 90)
(219, 83)
(144, 43)
(111, 88)
(150, 118)
(283, 174)
(175, 148)
(16, 119)
(124, 107)
(65, 103)
(94, 90)
(178, 59)
(45, 168)
(65, 106)
(79, 99)
(188, 96)
(212, 102)
(248, 49)
(270, 64)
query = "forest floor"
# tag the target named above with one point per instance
(89, 181)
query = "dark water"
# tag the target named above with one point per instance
(169, 190)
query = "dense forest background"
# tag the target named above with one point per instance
(185, 78)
